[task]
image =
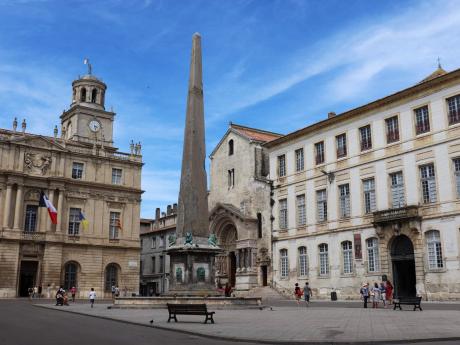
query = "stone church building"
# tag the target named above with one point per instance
(96, 190)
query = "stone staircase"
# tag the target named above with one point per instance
(266, 292)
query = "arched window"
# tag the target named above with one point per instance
(83, 95)
(433, 241)
(303, 261)
(373, 262)
(111, 276)
(323, 259)
(230, 147)
(284, 263)
(70, 275)
(94, 95)
(347, 253)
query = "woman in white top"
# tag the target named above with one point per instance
(92, 297)
(375, 295)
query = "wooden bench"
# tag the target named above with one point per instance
(415, 301)
(189, 309)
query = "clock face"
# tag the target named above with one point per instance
(94, 126)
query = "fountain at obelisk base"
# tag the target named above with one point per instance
(192, 253)
(193, 249)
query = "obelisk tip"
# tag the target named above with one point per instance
(196, 34)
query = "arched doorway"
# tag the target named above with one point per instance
(70, 275)
(403, 263)
(227, 236)
(111, 276)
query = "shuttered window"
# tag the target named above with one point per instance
(347, 253)
(428, 183)
(319, 152)
(321, 200)
(283, 214)
(341, 142)
(457, 175)
(433, 240)
(344, 200)
(301, 211)
(369, 195)
(397, 190)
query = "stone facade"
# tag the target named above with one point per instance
(388, 174)
(239, 202)
(80, 171)
(154, 261)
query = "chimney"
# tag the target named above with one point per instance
(169, 210)
(331, 114)
(175, 208)
(163, 214)
(157, 213)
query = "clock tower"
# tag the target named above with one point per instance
(87, 120)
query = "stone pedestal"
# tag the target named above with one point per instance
(192, 268)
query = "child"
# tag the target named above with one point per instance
(92, 297)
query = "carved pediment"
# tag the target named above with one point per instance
(39, 142)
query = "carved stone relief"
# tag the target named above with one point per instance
(37, 163)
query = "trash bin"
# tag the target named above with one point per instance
(333, 296)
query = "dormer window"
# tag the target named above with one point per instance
(83, 95)
(93, 96)
(230, 147)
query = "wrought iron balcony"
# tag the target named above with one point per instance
(395, 215)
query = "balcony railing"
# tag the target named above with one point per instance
(396, 215)
(33, 236)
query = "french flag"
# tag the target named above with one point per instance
(44, 202)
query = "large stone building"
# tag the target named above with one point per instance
(239, 207)
(154, 260)
(83, 175)
(373, 193)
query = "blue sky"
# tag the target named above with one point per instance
(275, 65)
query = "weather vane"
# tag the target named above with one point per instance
(86, 62)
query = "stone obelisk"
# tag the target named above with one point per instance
(193, 250)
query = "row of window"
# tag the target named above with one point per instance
(422, 125)
(433, 243)
(78, 168)
(75, 221)
(93, 98)
(161, 260)
(427, 185)
(154, 240)
(71, 276)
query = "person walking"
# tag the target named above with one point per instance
(228, 290)
(375, 295)
(35, 292)
(73, 292)
(30, 291)
(117, 291)
(307, 293)
(113, 292)
(92, 297)
(383, 297)
(297, 293)
(389, 292)
(364, 291)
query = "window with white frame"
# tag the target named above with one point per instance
(428, 182)
(373, 262)
(74, 221)
(344, 200)
(369, 195)
(392, 128)
(114, 225)
(397, 190)
(453, 105)
(284, 263)
(283, 214)
(422, 120)
(323, 259)
(303, 261)
(281, 166)
(456, 162)
(319, 153)
(301, 210)
(347, 254)
(77, 170)
(321, 203)
(366, 138)
(299, 160)
(116, 175)
(433, 241)
(30, 221)
(341, 143)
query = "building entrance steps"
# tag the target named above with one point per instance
(266, 292)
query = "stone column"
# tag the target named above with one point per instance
(18, 207)
(51, 199)
(6, 213)
(60, 205)
(237, 259)
(245, 257)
